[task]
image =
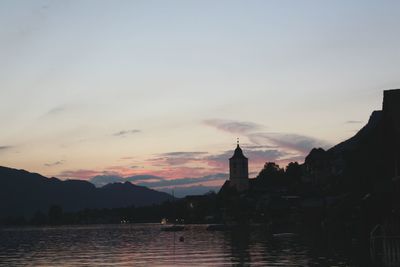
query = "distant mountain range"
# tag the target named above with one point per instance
(182, 186)
(24, 193)
(102, 180)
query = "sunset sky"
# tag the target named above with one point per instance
(124, 88)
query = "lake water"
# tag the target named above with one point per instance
(147, 245)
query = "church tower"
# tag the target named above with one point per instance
(239, 170)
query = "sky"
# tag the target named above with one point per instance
(163, 89)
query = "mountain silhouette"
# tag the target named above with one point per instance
(102, 180)
(23, 193)
(182, 186)
(367, 161)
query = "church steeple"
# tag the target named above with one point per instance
(238, 169)
(238, 153)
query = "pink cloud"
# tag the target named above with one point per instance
(175, 165)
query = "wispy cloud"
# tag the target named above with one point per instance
(268, 145)
(183, 154)
(51, 164)
(167, 169)
(126, 158)
(256, 147)
(176, 158)
(183, 171)
(288, 141)
(230, 126)
(198, 163)
(6, 149)
(56, 110)
(3, 148)
(135, 167)
(126, 132)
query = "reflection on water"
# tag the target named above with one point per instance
(146, 245)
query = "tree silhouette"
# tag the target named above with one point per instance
(55, 214)
(271, 174)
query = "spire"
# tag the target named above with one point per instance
(238, 151)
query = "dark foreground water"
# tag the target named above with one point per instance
(146, 245)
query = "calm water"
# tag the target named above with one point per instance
(146, 245)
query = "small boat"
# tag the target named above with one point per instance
(173, 228)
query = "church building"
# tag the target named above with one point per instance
(239, 170)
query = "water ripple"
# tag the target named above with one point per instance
(146, 245)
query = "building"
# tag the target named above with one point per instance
(239, 170)
(391, 117)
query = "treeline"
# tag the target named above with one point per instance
(273, 175)
(196, 209)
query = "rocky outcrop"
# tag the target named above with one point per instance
(365, 161)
